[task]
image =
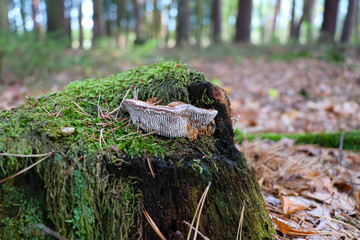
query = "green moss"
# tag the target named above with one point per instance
(82, 200)
(351, 140)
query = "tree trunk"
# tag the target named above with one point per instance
(67, 20)
(81, 34)
(349, 21)
(138, 24)
(277, 10)
(182, 28)
(34, 10)
(99, 20)
(216, 21)
(329, 21)
(4, 8)
(296, 26)
(156, 22)
(55, 18)
(199, 22)
(243, 21)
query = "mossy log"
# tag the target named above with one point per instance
(351, 140)
(99, 178)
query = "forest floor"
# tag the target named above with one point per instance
(308, 191)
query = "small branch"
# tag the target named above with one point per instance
(118, 108)
(152, 224)
(341, 148)
(50, 232)
(23, 155)
(201, 235)
(26, 169)
(151, 170)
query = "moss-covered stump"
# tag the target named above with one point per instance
(97, 179)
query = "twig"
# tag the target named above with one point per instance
(49, 231)
(122, 137)
(201, 235)
(47, 111)
(23, 155)
(82, 109)
(26, 169)
(152, 172)
(341, 148)
(198, 213)
(118, 108)
(238, 235)
(152, 224)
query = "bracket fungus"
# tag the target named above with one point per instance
(176, 119)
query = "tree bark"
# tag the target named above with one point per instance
(34, 10)
(199, 22)
(156, 21)
(4, 8)
(349, 21)
(296, 26)
(182, 28)
(243, 21)
(55, 18)
(138, 25)
(276, 13)
(329, 21)
(81, 34)
(99, 20)
(216, 21)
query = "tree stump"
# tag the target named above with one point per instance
(101, 178)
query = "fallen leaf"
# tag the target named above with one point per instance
(286, 229)
(289, 206)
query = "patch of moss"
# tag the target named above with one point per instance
(83, 201)
(351, 140)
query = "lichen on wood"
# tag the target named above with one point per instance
(93, 184)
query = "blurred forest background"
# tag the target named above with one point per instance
(259, 50)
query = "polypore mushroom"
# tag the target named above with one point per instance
(177, 119)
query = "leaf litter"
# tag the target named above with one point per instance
(308, 194)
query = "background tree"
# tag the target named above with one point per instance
(295, 26)
(349, 21)
(99, 20)
(81, 34)
(138, 27)
(243, 21)
(329, 21)
(216, 21)
(4, 8)
(182, 28)
(55, 18)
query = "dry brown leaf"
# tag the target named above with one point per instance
(286, 229)
(290, 207)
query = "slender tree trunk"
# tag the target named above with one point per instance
(200, 18)
(22, 12)
(67, 20)
(216, 21)
(156, 21)
(99, 20)
(138, 25)
(262, 19)
(182, 29)
(296, 26)
(329, 21)
(34, 10)
(292, 21)
(55, 17)
(277, 10)
(81, 34)
(243, 21)
(349, 21)
(4, 8)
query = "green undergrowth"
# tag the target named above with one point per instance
(351, 140)
(83, 201)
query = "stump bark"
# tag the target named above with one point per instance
(171, 197)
